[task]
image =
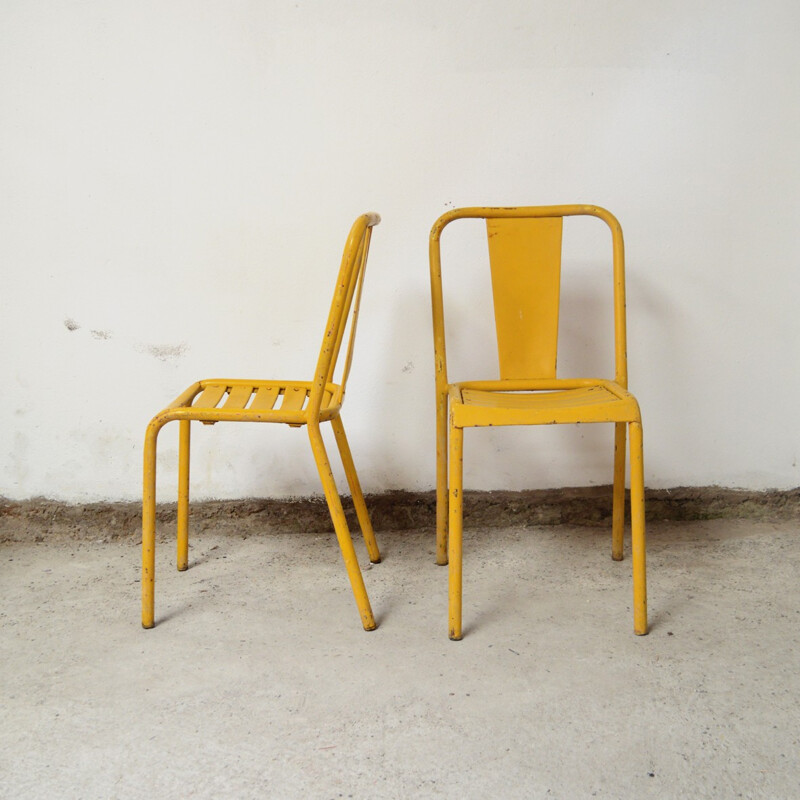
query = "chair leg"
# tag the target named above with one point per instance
(456, 525)
(637, 531)
(340, 526)
(149, 525)
(183, 495)
(441, 480)
(618, 504)
(355, 490)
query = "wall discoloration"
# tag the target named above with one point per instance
(165, 352)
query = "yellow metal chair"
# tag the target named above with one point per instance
(291, 402)
(525, 260)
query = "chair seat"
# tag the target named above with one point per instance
(220, 400)
(546, 404)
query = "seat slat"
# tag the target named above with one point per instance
(210, 396)
(294, 399)
(238, 397)
(265, 398)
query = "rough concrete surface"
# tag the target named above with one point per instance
(258, 681)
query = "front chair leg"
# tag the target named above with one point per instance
(456, 525)
(149, 524)
(638, 532)
(441, 480)
(355, 490)
(340, 526)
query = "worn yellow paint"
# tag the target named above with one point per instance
(638, 543)
(183, 494)
(618, 499)
(525, 259)
(294, 403)
(456, 513)
(542, 403)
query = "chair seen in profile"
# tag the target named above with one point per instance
(525, 246)
(294, 403)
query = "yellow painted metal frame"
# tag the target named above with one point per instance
(293, 403)
(541, 399)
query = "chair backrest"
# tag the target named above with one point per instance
(344, 307)
(525, 260)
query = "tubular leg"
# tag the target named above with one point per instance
(355, 490)
(456, 524)
(618, 507)
(340, 526)
(183, 495)
(149, 524)
(637, 531)
(441, 480)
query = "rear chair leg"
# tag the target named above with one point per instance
(340, 526)
(183, 495)
(618, 504)
(355, 490)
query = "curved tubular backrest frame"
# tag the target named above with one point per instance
(481, 212)
(347, 296)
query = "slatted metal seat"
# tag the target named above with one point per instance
(220, 400)
(294, 403)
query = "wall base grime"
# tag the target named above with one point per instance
(41, 520)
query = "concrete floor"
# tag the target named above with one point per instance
(259, 682)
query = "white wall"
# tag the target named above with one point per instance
(177, 178)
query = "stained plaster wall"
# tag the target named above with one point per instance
(177, 179)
